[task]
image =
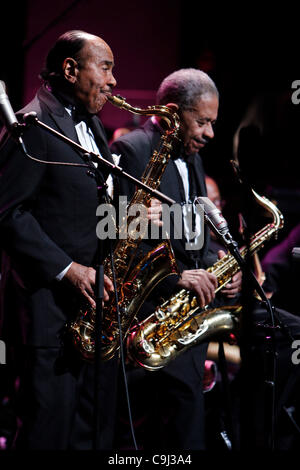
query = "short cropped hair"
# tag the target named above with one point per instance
(68, 44)
(184, 87)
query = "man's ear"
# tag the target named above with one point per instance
(173, 106)
(70, 69)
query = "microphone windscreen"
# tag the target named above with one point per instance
(207, 203)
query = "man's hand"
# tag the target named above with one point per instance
(84, 278)
(235, 285)
(204, 284)
(154, 212)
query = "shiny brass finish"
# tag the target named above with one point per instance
(180, 323)
(134, 279)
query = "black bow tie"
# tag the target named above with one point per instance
(190, 159)
(179, 153)
(79, 115)
(177, 150)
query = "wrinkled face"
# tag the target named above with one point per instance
(94, 79)
(197, 123)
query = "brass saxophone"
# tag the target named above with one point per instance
(134, 282)
(180, 323)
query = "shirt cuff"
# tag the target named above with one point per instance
(62, 273)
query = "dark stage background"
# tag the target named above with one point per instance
(250, 52)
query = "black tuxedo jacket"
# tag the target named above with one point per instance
(48, 214)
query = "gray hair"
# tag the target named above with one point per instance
(184, 87)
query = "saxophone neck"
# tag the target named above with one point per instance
(278, 219)
(170, 116)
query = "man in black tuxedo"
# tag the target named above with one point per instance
(169, 402)
(48, 232)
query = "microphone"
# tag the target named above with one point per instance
(8, 116)
(214, 216)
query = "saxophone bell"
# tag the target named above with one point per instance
(151, 349)
(179, 323)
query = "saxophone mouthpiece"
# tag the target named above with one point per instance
(117, 100)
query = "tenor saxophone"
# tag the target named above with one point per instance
(134, 279)
(179, 323)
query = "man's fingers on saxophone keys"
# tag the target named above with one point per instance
(234, 287)
(205, 287)
(88, 290)
(89, 298)
(108, 284)
(84, 278)
(88, 287)
(108, 288)
(201, 282)
(87, 284)
(154, 212)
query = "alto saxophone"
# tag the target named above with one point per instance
(134, 282)
(180, 323)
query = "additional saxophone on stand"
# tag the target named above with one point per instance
(134, 281)
(180, 323)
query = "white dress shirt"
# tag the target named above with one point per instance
(187, 216)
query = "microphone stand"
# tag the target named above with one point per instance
(31, 118)
(269, 330)
(270, 358)
(99, 297)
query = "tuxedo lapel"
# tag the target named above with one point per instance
(66, 125)
(199, 171)
(100, 138)
(58, 113)
(173, 182)
(200, 174)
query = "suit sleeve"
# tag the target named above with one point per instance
(37, 256)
